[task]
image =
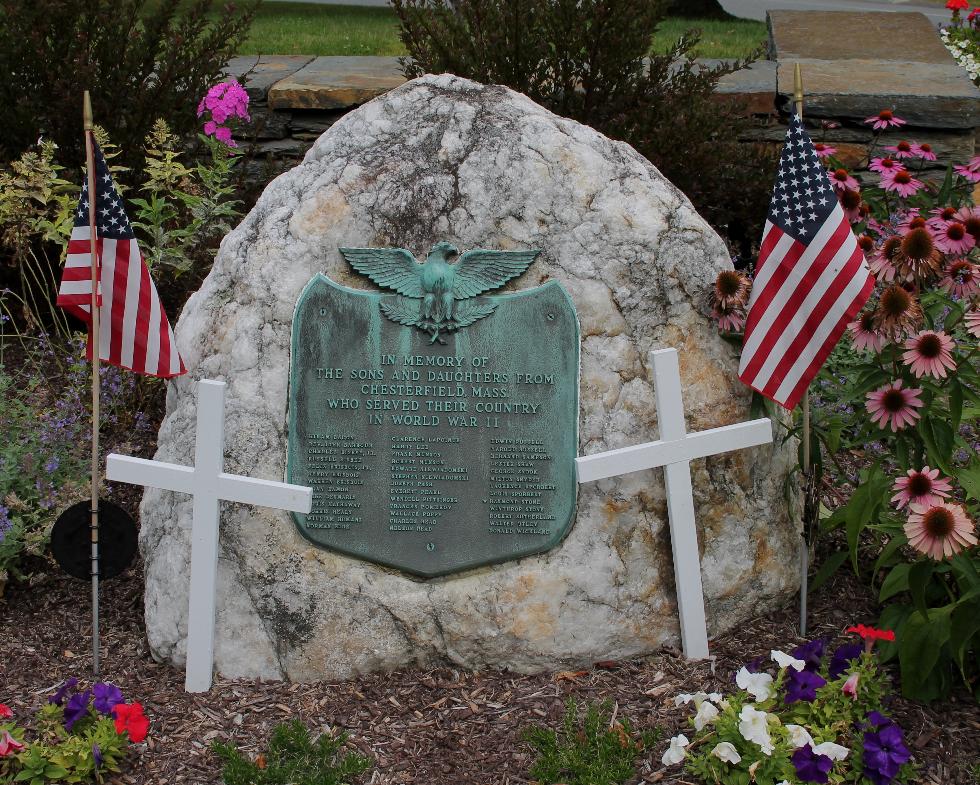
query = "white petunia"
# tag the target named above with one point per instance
(831, 750)
(784, 660)
(759, 685)
(715, 697)
(675, 753)
(798, 736)
(726, 751)
(754, 726)
(706, 713)
(697, 697)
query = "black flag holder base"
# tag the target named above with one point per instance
(71, 540)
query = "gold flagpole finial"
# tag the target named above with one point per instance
(87, 112)
(798, 89)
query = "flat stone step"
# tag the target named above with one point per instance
(336, 83)
(261, 73)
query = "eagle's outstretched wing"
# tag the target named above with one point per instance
(478, 271)
(393, 268)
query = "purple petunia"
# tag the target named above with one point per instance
(841, 659)
(802, 685)
(106, 696)
(97, 756)
(884, 751)
(811, 767)
(811, 653)
(77, 708)
(66, 686)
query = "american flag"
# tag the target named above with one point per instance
(134, 332)
(811, 279)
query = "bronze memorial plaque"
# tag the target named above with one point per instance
(437, 424)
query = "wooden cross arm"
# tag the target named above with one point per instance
(662, 453)
(155, 474)
(265, 493)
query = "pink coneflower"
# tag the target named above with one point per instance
(864, 335)
(922, 487)
(941, 215)
(882, 264)
(929, 354)
(910, 219)
(731, 289)
(923, 150)
(884, 119)
(918, 258)
(970, 218)
(894, 407)
(971, 170)
(898, 312)
(902, 182)
(952, 238)
(841, 180)
(902, 150)
(729, 319)
(972, 322)
(851, 202)
(961, 278)
(883, 165)
(939, 530)
(823, 150)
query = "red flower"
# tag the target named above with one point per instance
(872, 633)
(9, 745)
(957, 5)
(130, 719)
(5, 712)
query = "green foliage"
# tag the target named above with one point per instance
(140, 59)
(59, 756)
(832, 716)
(593, 750)
(590, 60)
(294, 758)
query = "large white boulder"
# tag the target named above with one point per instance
(443, 158)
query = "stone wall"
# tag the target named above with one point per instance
(897, 62)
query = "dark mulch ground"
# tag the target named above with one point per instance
(439, 727)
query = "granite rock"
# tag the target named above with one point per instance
(445, 158)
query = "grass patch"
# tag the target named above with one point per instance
(720, 38)
(302, 29)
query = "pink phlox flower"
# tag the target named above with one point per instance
(841, 180)
(920, 487)
(902, 182)
(884, 119)
(884, 164)
(223, 134)
(923, 150)
(929, 354)
(823, 150)
(210, 127)
(902, 150)
(952, 238)
(895, 407)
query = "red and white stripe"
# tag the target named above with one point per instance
(802, 299)
(134, 331)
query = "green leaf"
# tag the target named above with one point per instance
(888, 553)
(964, 627)
(919, 577)
(920, 644)
(947, 186)
(938, 439)
(955, 403)
(828, 568)
(965, 572)
(969, 478)
(896, 582)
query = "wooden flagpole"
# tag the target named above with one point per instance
(807, 469)
(95, 334)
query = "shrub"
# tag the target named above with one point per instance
(294, 758)
(589, 61)
(596, 750)
(141, 59)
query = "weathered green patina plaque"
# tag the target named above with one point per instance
(433, 441)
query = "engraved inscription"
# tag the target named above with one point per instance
(434, 457)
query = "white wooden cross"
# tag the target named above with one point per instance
(675, 451)
(209, 485)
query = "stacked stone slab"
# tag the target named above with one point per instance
(897, 61)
